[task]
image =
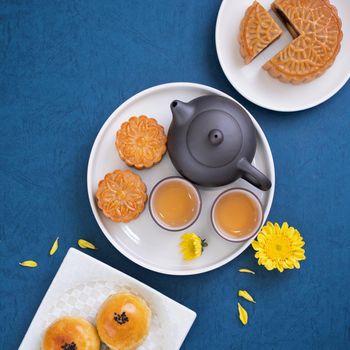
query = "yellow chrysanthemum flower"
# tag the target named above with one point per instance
(192, 246)
(279, 247)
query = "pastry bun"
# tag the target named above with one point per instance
(70, 333)
(123, 321)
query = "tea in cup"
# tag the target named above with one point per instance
(237, 214)
(175, 203)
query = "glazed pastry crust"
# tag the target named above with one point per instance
(141, 142)
(318, 28)
(121, 195)
(68, 330)
(130, 334)
(257, 31)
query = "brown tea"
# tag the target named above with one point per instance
(175, 203)
(237, 214)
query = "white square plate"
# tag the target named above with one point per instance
(80, 286)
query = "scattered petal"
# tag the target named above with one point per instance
(247, 271)
(243, 315)
(54, 247)
(29, 263)
(244, 294)
(85, 244)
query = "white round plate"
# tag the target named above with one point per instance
(142, 240)
(255, 84)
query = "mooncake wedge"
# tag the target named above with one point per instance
(258, 30)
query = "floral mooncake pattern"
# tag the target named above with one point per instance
(141, 142)
(316, 26)
(121, 195)
(257, 31)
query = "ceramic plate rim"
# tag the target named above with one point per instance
(93, 206)
(330, 94)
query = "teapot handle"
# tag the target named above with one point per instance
(253, 175)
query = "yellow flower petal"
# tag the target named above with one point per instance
(299, 255)
(263, 260)
(243, 315)
(284, 228)
(298, 244)
(29, 263)
(247, 271)
(279, 266)
(255, 245)
(54, 247)
(269, 265)
(262, 238)
(289, 264)
(86, 244)
(244, 294)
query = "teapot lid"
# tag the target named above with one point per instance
(214, 138)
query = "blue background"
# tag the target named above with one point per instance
(65, 66)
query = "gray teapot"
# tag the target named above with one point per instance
(212, 142)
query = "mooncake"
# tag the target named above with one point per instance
(316, 28)
(121, 195)
(141, 142)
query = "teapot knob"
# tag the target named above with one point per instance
(215, 137)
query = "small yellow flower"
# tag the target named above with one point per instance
(279, 247)
(191, 246)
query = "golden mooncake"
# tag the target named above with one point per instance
(121, 195)
(123, 321)
(257, 31)
(71, 333)
(316, 27)
(141, 142)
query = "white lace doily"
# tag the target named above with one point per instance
(85, 299)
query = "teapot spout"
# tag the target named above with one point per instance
(182, 112)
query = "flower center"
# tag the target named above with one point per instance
(278, 248)
(140, 141)
(122, 195)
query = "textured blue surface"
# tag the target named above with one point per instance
(65, 66)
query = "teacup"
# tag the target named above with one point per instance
(175, 203)
(237, 214)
